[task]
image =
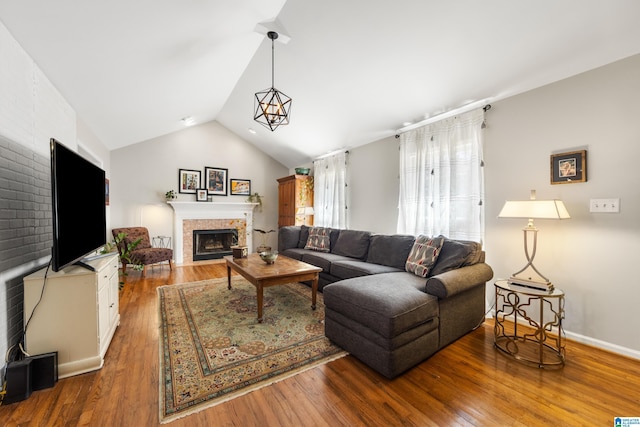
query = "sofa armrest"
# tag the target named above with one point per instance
(459, 280)
(288, 237)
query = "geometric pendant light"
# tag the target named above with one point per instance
(272, 107)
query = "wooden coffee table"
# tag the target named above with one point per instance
(263, 275)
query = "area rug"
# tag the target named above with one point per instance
(212, 348)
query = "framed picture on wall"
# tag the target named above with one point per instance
(215, 181)
(106, 192)
(188, 181)
(569, 168)
(201, 194)
(240, 187)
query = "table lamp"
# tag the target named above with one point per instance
(305, 212)
(541, 209)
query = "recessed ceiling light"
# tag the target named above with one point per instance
(407, 123)
(188, 121)
(251, 130)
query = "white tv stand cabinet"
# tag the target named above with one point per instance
(77, 316)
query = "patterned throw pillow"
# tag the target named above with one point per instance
(319, 239)
(424, 255)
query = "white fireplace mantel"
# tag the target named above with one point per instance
(207, 210)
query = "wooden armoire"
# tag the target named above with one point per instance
(295, 192)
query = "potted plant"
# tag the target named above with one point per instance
(256, 198)
(263, 240)
(124, 250)
(170, 195)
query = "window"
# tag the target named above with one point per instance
(442, 179)
(330, 191)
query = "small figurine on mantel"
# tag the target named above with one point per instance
(263, 240)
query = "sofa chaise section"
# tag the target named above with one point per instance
(385, 316)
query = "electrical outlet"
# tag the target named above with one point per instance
(604, 205)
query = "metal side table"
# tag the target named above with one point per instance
(528, 325)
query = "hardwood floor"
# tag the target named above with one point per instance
(468, 383)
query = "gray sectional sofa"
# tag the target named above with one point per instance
(389, 318)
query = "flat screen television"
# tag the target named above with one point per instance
(78, 204)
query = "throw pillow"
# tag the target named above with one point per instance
(304, 236)
(318, 239)
(424, 255)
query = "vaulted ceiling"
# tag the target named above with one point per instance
(357, 70)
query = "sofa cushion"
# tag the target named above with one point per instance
(424, 255)
(304, 236)
(322, 259)
(383, 302)
(295, 253)
(352, 243)
(319, 239)
(333, 236)
(456, 254)
(135, 233)
(288, 237)
(354, 268)
(391, 251)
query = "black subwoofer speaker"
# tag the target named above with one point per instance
(44, 371)
(18, 381)
(30, 374)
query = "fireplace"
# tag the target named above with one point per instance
(213, 244)
(189, 216)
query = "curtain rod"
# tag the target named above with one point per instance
(331, 154)
(465, 108)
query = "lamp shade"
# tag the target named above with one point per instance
(543, 209)
(305, 210)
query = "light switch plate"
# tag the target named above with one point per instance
(604, 205)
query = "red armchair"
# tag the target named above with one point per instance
(143, 254)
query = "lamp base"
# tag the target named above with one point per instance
(533, 284)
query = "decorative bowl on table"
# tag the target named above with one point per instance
(302, 171)
(269, 256)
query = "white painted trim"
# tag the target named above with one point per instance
(208, 210)
(593, 342)
(603, 345)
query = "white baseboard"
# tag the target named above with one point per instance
(614, 348)
(603, 345)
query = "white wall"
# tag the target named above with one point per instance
(31, 112)
(143, 172)
(31, 109)
(374, 186)
(591, 256)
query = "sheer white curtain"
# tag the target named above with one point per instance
(330, 191)
(442, 178)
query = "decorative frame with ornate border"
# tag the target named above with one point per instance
(240, 187)
(215, 181)
(188, 181)
(569, 168)
(201, 194)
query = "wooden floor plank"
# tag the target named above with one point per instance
(468, 383)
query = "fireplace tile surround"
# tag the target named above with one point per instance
(189, 216)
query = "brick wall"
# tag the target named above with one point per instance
(25, 226)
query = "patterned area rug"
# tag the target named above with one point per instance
(212, 348)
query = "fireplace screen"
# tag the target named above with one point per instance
(213, 244)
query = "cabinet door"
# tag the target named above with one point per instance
(103, 310)
(114, 295)
(286, 203)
